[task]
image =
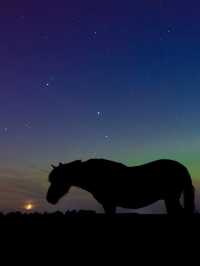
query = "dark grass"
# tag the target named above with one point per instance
(87, 234)
(89, 222)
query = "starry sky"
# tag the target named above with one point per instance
(92, 79)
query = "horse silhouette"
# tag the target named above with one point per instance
(114, 184)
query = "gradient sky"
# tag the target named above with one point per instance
(82, 79)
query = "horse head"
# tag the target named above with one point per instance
(61, 178)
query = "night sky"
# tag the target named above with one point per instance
(92, 79)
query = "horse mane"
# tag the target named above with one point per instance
(61, 167)
(104, 162)
(95, 162)
(72, 163)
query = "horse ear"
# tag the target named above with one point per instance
(53, 166)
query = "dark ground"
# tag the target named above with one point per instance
(85, 235)
(89, 223)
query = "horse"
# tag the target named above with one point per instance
(114, 184)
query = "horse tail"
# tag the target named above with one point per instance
(189, 195)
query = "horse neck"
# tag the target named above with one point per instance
(82, 179)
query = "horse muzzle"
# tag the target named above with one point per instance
(51, 199)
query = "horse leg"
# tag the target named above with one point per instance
(109, 209)
(173, 206)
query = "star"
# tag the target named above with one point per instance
(92, 35)
(28, 125)
(169, 30)
(5, 129)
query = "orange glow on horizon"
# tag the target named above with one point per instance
(28, 206)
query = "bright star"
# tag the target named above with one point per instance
(28, 125)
